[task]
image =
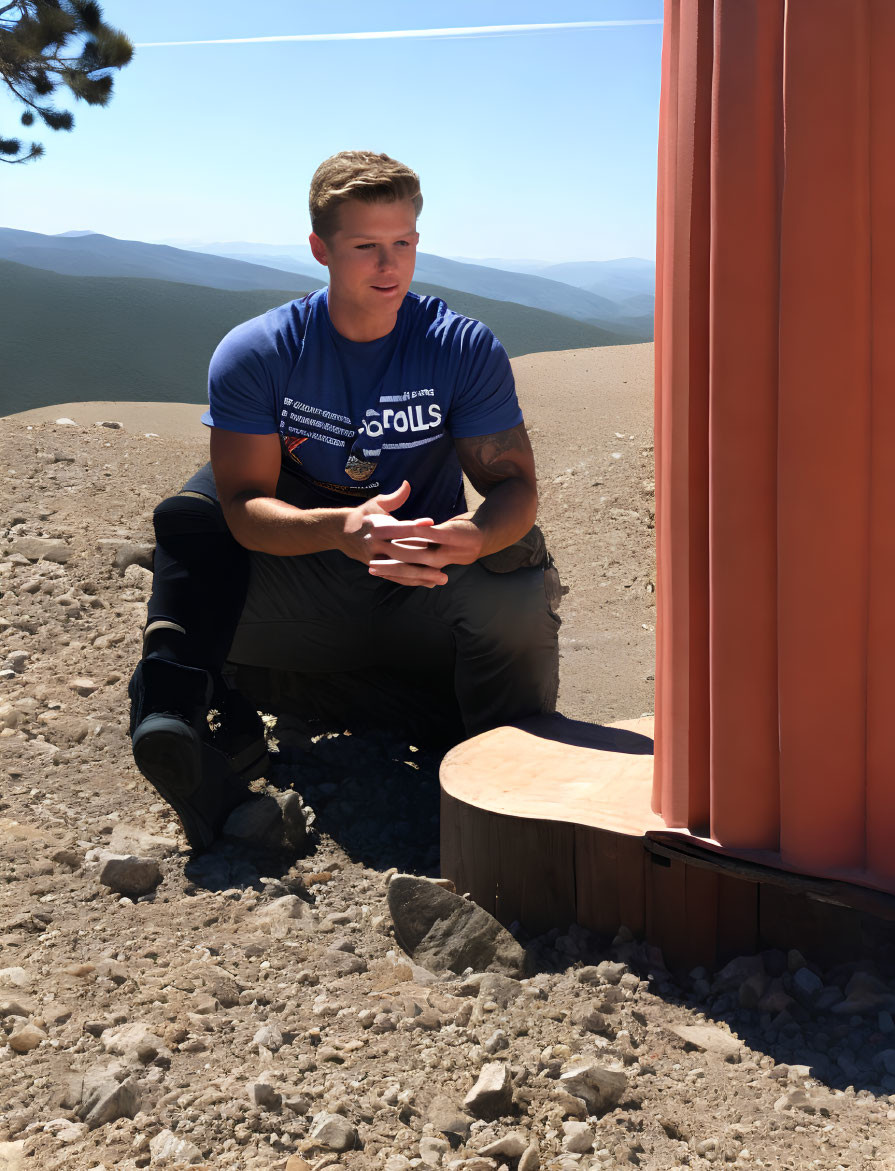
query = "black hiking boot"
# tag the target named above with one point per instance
(175, 750)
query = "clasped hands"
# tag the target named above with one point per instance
(409, 552)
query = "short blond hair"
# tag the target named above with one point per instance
(363, 175)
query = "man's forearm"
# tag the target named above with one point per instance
(506, 514)
(267, 525)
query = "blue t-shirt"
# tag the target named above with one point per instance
(357, 418)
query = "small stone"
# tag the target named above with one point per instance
(83, 686)
(708, 1039)
(268, 1037)
(743, 968)
(283, 910)
(446, 1116)
(15, 977)
(264, 1095)
(503, 990)
(599, 1087)
(610, 973)
(134, 1042)
(433, 1151)
(492, 1094)
(807, 985)
(128, 874)
(12, 1155)
(865, 993)
(570, 1106)
(578, 1138)
(73, 859)
(138, 578)
(531, 1159)
(794, 960)
(65, 422)
(14, 1008)
(496, 1042)
(128, 553)
(296, 1163)
(167, 1146)
(589, 1019)
(510, 1146)
(103, 1097)
(111, 424)
(333, 1131)
(257, 822)
(295, 828)
(42, 549)
(25, 1039)
(797, 1099)
(130, 839)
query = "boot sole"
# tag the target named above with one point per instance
(169, 754)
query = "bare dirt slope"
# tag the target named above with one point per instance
(253, 1009)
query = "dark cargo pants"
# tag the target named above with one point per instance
(492, 629)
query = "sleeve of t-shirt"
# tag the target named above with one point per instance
(484, 399)
(243, 377)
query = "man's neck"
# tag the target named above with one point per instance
(355, 326)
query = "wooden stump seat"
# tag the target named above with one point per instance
(549, 822)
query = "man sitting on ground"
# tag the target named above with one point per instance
(330, 532)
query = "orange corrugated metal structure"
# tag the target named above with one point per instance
(775, 431)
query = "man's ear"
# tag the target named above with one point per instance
(318, 249)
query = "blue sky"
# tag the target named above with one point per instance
(536, 145)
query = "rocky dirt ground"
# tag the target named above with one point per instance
(254, 1007)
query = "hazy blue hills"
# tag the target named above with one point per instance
(569, 299)
(81, 338)
(92, 254)
(615, 280)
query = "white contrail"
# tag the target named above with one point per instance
(484, 30)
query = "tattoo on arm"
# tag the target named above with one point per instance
(489, 459)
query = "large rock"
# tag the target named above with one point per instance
(441, 930)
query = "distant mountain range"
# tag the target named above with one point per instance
(87, 316)
(601, 292)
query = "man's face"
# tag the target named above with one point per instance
(371, 255)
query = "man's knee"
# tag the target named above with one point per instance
(510, 610)
(186, 514)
